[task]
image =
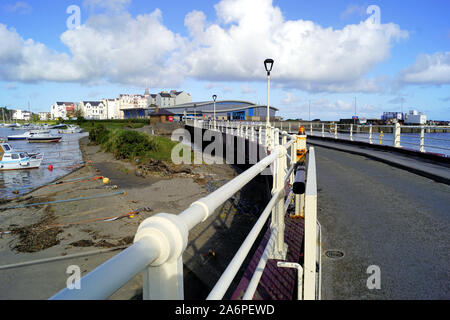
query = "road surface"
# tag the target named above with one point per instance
(382, 216)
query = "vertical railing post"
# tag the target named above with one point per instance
(370, 134)
(311, 132)
(164, 282)
(422, 139)
(278, 215)
(397, 133)
(164, 279)
(323, 130)
(336, 131)
(276, 138)
(351, 132)
(260, 141)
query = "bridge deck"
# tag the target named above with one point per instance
(276, 283)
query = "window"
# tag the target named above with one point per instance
(6, 147)
(15, 156)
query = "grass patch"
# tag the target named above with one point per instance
(132, 145)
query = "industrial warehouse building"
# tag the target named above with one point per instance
(225, 110)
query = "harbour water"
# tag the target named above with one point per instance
(64, 156)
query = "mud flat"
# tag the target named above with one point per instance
(34, 232)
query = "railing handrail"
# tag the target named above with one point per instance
(161, 239)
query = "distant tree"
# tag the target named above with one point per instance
(35, 117)
(79, 113)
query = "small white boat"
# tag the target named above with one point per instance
(18, 160)
(44, 138)
(71, 129)
(27, 135)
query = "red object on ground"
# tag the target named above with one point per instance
(50, 167)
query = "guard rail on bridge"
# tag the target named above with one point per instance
(417, 137)
(161, 240)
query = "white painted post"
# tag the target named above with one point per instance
(323, 130)
(311, 129)
(310, 229)
(336, 131)
(370, 134)
(351, 132)
(280, 248)
(289, 127)
(397, 132)
(163, 280)
(276, 137)
(422, 139)
(299, 276)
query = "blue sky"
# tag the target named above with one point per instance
(325, 52)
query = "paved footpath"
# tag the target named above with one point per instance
(381, 215)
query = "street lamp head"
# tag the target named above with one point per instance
(214, 98)
(269, 65)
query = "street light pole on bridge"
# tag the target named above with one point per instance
(215, 98)
(268, 65)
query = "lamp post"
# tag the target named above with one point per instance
(195, 114)
(214, 98)
(268, 65)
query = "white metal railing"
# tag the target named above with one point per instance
(423, 138)
(161, 240)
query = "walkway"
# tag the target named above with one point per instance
(381, 215)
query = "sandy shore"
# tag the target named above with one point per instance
(62, 229)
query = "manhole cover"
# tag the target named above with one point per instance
(334, 254)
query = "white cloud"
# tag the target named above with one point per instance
(246, 89)
(306, 55)
(353, 9)
(290, 99)
(20, 7)
(118, 48)
(428, 70)
(108, 5)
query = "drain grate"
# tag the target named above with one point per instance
(334, 254)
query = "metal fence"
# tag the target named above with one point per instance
(161, 240)
(420, 137)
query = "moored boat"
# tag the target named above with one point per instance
(44, 138)
(71, 129)
(11, 159)
(27, 135)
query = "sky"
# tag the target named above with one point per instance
(332, 58)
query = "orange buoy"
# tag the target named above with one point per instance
(50, 167)
(301, 130)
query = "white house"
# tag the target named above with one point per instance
(165, 99)
(94, 110)
(62, 110)
(21, 115)
(112, 108)
(181, 97)
(415, 117)
(44, 116)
